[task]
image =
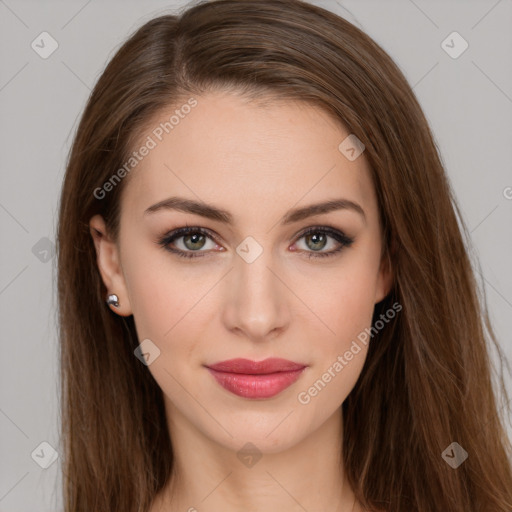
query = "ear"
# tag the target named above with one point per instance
(107, 257)
(385, 277)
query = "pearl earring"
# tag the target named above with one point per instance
(113, 299)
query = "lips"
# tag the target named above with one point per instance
(271, 365)
(256, 379)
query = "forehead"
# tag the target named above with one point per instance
(248, 158)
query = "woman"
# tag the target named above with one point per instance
(266, 301)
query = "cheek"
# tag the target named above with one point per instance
(348, 300)
(341, 356)
(160, 296)
(347, 307)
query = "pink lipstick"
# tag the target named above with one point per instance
(256, 379)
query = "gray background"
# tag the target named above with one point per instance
(467, 100)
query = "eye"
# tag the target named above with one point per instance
(316, 239)
(194, 239)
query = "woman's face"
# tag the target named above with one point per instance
(255, 287)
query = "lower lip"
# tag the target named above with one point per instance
(256, 386)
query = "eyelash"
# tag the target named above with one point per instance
(340, 237)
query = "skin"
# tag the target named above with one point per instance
(257, 163)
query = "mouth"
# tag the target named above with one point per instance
(256, 379)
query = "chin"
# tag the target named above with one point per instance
(271, 434)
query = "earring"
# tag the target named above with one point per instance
(113, 299)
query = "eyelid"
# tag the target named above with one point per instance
(322, 227)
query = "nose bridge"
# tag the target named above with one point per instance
(257, 301)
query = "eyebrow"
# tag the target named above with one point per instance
(218, 214)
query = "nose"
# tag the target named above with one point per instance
(256, 299)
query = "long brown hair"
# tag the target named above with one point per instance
(427, 380)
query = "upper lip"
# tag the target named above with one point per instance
(246, 366)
